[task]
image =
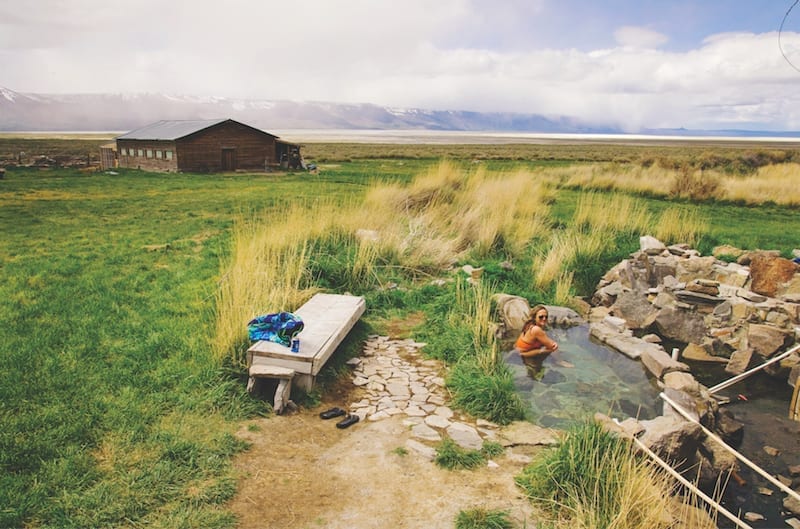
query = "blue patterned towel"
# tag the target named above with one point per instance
(280, 327)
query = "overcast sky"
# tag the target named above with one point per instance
(632, 63)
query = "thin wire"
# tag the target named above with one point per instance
(780, 30)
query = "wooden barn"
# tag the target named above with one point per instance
(202, 146)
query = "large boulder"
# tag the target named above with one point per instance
(766, 340)
(635, 310)
(770, 273)
(513, 310)
(659, 363)
(681, 325)
(695, 268)
(650, 245)
(563, 316)
(716, 462)
(673, 439)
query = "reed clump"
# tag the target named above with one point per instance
(593, 479)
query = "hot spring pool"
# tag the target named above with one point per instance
(603, 380)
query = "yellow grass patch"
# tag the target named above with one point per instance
(771, 183)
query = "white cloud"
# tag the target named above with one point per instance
(411, 54)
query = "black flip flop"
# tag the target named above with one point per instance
(331, 413)
(347, 421)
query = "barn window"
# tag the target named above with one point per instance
(141, 153)
(168, 155)
(158, 153)
(149, 153)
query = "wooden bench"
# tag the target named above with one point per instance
(327, 318)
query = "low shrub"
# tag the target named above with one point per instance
(483, 519)
(452, 457)
(696, 184)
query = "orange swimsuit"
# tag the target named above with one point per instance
(524, 346)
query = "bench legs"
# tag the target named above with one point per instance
(282, 375)
(282, 394)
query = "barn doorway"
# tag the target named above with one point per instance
(228, 159)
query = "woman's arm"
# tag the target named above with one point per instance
(534, 352)
(539, 334)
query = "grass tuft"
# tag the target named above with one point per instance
(594, 479)
(483, 519)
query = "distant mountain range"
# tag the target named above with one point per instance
(124, 112)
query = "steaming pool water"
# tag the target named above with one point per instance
(603, 380)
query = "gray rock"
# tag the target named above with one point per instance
(688, 296)
(739, 361)
(425, 451)
(751, 296)
(425, 432)
(637, 312)
(437, 421)
(685, 401)
(563, 316)
(680, 325)
(694, 268)
(766, 339)
(791, 504)
(465, 436)
(658, 362)
(650, 245)
(514, 310)
(615, 323)
(723, 310)
(522, 433)
(673, 439)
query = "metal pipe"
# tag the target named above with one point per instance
(722, 443)
(675, 474)
(746, 374)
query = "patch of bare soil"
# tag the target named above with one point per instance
(303, 472)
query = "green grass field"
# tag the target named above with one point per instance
(115, 411)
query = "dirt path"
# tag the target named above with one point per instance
(303, 472)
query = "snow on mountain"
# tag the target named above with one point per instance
(124, 112)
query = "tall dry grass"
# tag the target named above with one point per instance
(636, 179)
(598, 221)
(448, 212)
(678, 225)
(564, 291)
(566, 249)
(775, 183)
(612, 213)
(507, 209)
(267, 269)
(474, 302)
(779, 183)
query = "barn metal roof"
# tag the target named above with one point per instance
(173, 130)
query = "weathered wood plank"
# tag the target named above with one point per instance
(272, 371)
